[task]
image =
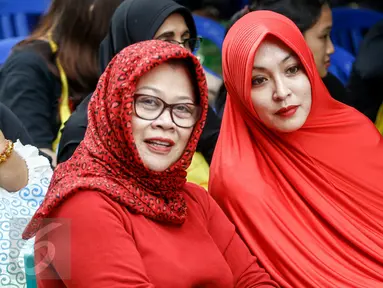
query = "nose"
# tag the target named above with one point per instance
(164, 121)
(330, 47)
(281, 90)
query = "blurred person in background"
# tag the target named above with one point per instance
(367, 75)
(52, 71)
(24, 180)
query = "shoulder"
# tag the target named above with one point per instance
(89, 206)
(23, 60)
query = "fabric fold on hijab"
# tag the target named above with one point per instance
(107, 161)
(307, 203)
(138, 20)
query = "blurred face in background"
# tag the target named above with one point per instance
(174, 29)
(318, 39)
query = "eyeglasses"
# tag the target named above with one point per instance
(148, 107)
(192, 44)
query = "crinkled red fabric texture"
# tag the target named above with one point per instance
(107, 160)
(307, 203)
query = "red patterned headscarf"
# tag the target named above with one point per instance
(107, 161)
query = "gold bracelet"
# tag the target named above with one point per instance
(7, 151)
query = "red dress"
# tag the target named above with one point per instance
(309, 204)
(104, 245)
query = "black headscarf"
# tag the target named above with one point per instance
(139, 20)
(134, 21)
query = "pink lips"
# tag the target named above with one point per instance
(160, 145)
(287, 111)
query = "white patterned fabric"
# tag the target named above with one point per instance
(16, 209)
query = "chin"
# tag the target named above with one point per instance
(324, 73)
(289, 127)
(157, 164)
(158, 167)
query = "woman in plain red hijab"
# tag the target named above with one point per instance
(308, 200)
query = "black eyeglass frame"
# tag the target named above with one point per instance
(198, 41)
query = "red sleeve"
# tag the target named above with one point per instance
(102, 250)
(243, 265)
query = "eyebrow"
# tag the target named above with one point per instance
(289, 56)
(172, 34)
(166, 34)
(157, 91)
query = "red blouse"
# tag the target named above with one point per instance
(110, 247)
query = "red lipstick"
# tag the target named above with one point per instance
(287, 111)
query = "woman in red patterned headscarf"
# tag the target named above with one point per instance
(299, 173)
(129, 217)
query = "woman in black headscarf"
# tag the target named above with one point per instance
(135, 21)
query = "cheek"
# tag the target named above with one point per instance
(184, 136)
(305, 95)
(138, 128)
(317, 47)
(262, 102)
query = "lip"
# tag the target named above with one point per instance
(287, 111)
(327, 64)
(158, 149)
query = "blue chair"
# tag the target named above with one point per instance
(244, 3)
(341, 64)
(6, 46)
(29, 267)
(210, 29)
(16, 15)
(350, 25)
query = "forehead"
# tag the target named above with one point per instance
(174, 22)
(167, 80)
(271, 51)
(324, 20)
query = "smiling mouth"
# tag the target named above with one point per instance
(159, 146)
(158, 143)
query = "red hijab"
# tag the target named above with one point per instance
(309, 204)
(107, 160)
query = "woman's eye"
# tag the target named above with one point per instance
(293, 70)
(258, 81)
(148, 102)
(325, 36)
(182, 108)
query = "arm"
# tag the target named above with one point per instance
(102, 250)
(74, 131)
(14, 171)
(244, 266)
(28, 89)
